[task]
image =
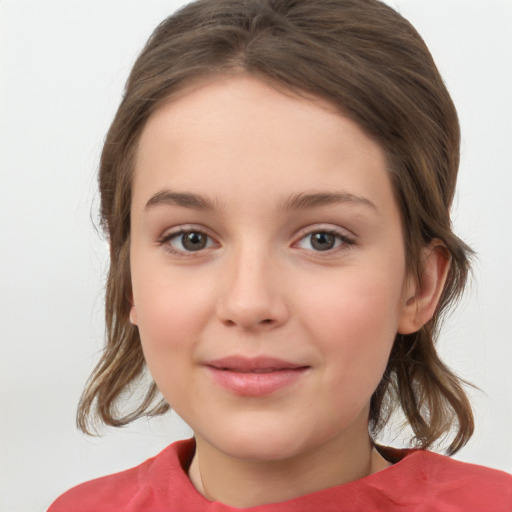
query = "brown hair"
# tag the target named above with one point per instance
(371, 64)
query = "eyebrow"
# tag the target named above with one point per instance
(305, 200)
(301, 201)
(184, 199)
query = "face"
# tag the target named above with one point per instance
(267, 266)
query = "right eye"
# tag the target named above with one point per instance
(187, 241)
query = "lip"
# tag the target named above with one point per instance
(257, 376)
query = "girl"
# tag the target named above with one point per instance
(276, 188)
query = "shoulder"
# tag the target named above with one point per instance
(444, 468)
(103, 494)
(134, 489)
(446, 482)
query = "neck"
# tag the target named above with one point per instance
(335, 462)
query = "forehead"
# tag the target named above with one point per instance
(237, 134)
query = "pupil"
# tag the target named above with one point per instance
(322, 241)
(194, 241)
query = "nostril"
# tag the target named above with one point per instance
(232, 323)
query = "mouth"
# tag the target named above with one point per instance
(255, 376)
(253, 364)
(257, 370)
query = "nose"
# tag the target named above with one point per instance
(252, 296)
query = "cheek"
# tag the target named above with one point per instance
(355, 302)
(355, 319)
(172, 311)
(170, 320)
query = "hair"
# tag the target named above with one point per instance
(372, 65)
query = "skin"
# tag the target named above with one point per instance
(261, 287)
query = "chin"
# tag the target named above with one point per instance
(265, 449)
(263, 442)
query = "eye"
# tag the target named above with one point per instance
(187, 241)
(322, 241)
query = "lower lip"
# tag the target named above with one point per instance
(256, 384)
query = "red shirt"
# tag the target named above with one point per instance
(420, 481)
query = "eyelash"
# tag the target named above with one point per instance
(344, 240)
(168, 237)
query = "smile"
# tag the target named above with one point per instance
(254, 376)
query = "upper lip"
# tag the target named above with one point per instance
(252, 364)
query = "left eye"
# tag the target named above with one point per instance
(322, 241)
(190, 241)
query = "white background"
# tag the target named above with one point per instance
(62, 66)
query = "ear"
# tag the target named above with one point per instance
(133, 313)
(421, 298)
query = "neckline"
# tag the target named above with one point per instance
(396, 456)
